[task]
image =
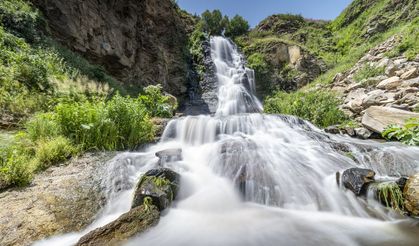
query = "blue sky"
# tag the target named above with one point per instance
(256, 10)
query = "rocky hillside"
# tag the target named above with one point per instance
(324, 46)
(138, 42)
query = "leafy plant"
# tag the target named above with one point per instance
(157, 103)
(390, 194)
(407, 134)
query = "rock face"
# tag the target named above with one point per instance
(48, 206)
(411, 195)
(161, 185)
(138, 42)
(356, 179)
(135, 221)
(377, 118)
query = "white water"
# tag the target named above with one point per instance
(290, 194)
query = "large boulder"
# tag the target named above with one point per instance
(161, 185)
(62, 199)
(137, 220)
(357, 179)
(411, 195)
(377, 118)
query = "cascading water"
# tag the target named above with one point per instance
(254, 179)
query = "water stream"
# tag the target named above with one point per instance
(255, 179)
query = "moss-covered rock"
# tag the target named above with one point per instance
(161, 185)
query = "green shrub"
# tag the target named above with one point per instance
(407, 134)
(120, 124)
(319, 107)
(157, 104)
(15, 162)
(52, 151)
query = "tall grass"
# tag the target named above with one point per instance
(319, 107)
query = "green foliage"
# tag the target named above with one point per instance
(119, 124)
(50, 152)
(157, 104)
(236, 26)
(18, 17)
(42, 126)
(407, 134)
(15, 164)
(368, 71)
(196, 50)
(390, 194)
(213, 22)
(319, 107)
(258, 62)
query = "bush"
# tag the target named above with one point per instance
(50, 152)
(407, 134)
(42, 126)
(319, 107)
(119, 124)
(157, 104)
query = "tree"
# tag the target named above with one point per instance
(213, 22)
(236, 27)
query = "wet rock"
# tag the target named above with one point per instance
(332, 129)
(159, 124)
(411, 195)
(390, 83)
(136, 221)
(62, 199)
(169, 155)
(377, 118)
(161, 185)
(363, 133)
(356, 179)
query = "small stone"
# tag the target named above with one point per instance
(390, 69)
(411, 82)
(390, 83)
(410, 74)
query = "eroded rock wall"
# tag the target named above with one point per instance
(140, 42)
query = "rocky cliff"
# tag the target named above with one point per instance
(138, 42)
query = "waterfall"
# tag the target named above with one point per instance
(255, 179)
